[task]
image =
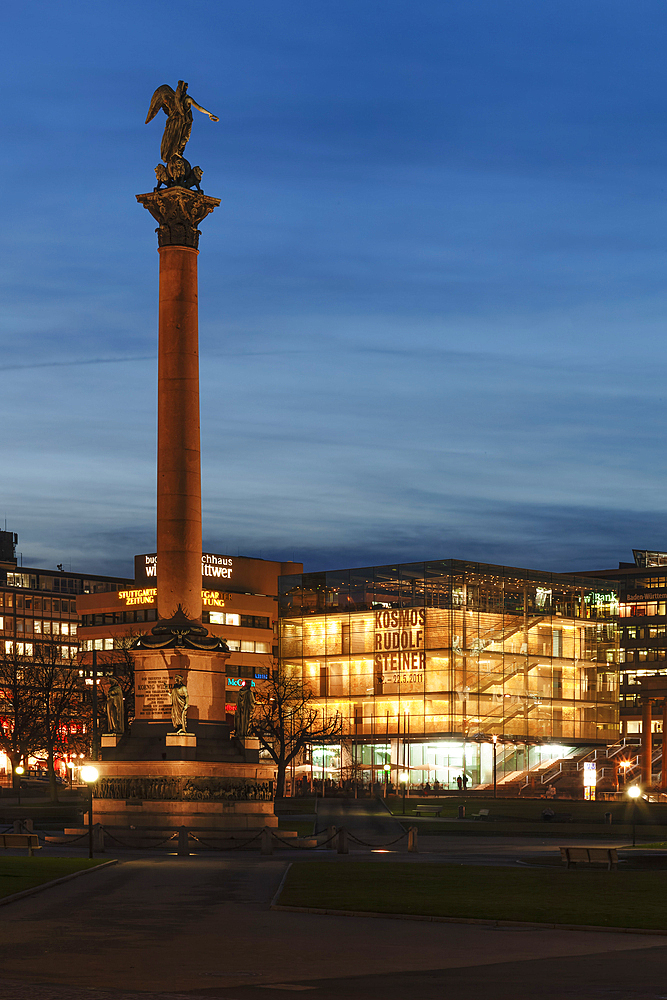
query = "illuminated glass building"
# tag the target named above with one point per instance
(428, 662)
(642, 591)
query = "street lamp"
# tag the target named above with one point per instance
(19, 769)
(90, 776)
(634, 791)
(404, 782)
(495, 766)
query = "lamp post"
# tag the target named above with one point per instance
(625, 764)
(387, 769)
(90, 776)
(634, 791)
(19, 769)
(404, 782)
(495, 767)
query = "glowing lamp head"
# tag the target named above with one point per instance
(634, 791)
(404, 776)
(387, 767)
(89, 774)
(19, 769)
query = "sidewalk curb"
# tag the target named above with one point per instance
(56, 881)
(274, 906)
(519, 924)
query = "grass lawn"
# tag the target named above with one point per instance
(303, 829)
(578, 896)
(17, 874)
(530, 810)
(294, 807)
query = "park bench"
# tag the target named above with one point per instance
(29, 840)
(482, 814)
(590, 856)
(428, 810)
(549, 816)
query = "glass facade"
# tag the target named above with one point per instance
(416, 653)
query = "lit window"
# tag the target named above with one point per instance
(262, 647)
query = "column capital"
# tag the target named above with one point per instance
(178, 211)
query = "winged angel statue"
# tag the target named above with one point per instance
(177, 105)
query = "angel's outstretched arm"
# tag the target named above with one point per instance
(199, 108)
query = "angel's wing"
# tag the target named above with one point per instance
(163, 97)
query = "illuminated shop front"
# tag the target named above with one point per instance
(427, 663)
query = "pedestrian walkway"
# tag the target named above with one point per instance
(201, 926)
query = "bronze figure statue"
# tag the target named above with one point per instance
(177, 105)
(244, 709)
(180, 703)
(115, 708)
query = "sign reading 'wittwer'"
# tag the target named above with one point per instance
(399, 645)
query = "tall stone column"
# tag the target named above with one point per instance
(647, 743)
(179, 543)
(178, 653)
(663, 766)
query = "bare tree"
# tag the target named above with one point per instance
(286, 720)
(63, 711)
(20, 732)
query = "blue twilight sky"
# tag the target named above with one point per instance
(432, 302)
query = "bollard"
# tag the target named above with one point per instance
(18, 826)
(462, 812)
(342, 846)
(266, 841)
(412, 840)
(183, 845)
(331, 833)
(98, 838)
(607, 818)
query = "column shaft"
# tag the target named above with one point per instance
(663, 775)
(647, 743)
(178, 453)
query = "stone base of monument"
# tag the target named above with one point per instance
(180, 746)
(150, 800)
(110, 740)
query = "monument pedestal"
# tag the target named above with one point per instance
(180, 746)
(203, 673)
(110, 740)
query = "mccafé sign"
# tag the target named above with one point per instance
(399, 645)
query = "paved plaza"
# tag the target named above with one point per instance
(156, 925)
